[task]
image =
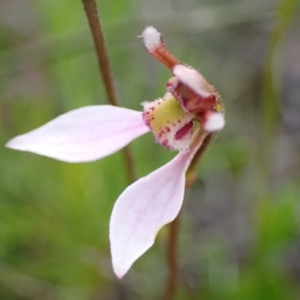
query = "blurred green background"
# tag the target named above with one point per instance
(240, 234)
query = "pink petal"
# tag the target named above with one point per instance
(144, 207)
(83, 134)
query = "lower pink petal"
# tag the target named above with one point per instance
(144, 207)
(83, 134)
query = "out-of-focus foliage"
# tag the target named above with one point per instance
(240, 235)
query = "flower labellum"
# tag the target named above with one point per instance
(171, 125)
(189, 112)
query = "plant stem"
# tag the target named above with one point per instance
(172, 246)
(91, 10)
(190, 174)
(172, 254)
(271, 107)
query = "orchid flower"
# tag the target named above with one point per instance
(190, 110)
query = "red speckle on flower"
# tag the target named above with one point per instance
(168, 129)
(170, 83)
(165, 143)
(183, 131)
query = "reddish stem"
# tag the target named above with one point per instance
(91, 10)
(162, 54)
(172, 254)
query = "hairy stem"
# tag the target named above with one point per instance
(91, 10)
(172, 244)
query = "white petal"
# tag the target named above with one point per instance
(83, 134)
(214, 122)
(144, 207)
